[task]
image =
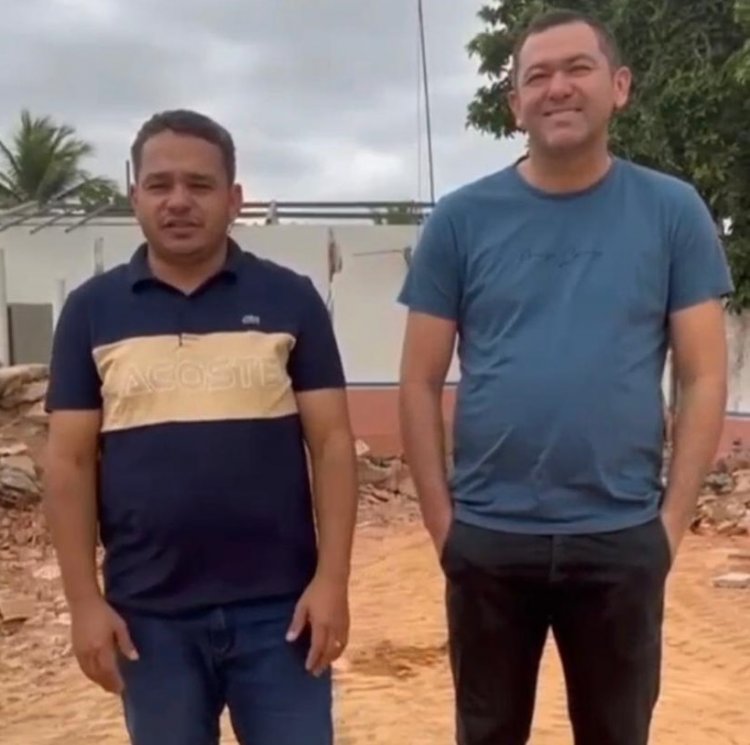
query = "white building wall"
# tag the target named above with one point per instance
(369, 323)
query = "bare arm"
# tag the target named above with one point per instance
(324, 604)
(70, 499)
(700, 358)
(426, 356)
(325, 420)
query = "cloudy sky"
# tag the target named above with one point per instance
(320, 95)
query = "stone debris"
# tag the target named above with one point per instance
(733, 581)
(16, 609)
(47, 572)
(22, 386)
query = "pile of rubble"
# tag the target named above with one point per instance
(724, 504)
(22, 427)
(386, 490)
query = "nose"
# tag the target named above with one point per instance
(559, 86)
(178, 199)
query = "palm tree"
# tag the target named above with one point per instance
(43, 164)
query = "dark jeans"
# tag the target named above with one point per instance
(602, 596)
(190, 668)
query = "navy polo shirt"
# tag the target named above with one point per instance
(204, 495)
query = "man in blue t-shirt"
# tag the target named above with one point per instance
(186, 389)
(565, 278)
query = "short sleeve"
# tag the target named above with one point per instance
(699, 269)
(73, 378)
(315, 360)
(433, 282)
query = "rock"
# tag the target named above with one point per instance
(22, 463)
(37, 414)
(16, 376)
(719, 483)
(14, 448)
(742, 480)
(361, 448)
(28, 394)
(47, 573)
(15, 609)
(20, 481)
(733, 580)
(371, 473)
(407, 488)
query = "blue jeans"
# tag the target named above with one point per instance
(191, 667)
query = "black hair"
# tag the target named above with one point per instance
(562, 17)
(185, 122)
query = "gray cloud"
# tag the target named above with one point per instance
(320, 96)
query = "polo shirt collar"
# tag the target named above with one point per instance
(140, 271)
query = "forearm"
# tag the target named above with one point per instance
(696, 436)
(70, 509)
(336, 495)
(422, 428)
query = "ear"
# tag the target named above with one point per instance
(133, 196)
(236, 200)
(515, 107)
(623, 81)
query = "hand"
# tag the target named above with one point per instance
(674, 532)
(98, 634)
(439, 529)
(325, 606)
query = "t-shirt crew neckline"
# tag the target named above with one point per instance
(605, 180)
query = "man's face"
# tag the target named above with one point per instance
(566, 89)
(182, 197)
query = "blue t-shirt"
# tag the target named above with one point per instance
(562, 305)
(204, 494)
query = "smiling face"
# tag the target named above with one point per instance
(567, 89)
(183, 197)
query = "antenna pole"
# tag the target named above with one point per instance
(426, 101)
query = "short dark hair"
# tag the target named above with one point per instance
(563, 17)
(186, 122)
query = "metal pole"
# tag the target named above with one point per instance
(99, 256)
(426, 101)
(4, 321)
(61, 293)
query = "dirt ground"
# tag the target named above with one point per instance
(393, 686)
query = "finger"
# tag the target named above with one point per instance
(333, 651)
(124, 642)
(109, 671)
(318, 644)
(89, 666)
(96, 668)
(298, 621)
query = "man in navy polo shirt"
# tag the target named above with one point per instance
(564, 278)
(184, 389)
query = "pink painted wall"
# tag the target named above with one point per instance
(374, 413)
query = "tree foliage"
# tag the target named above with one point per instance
(400, 214)
(690, 110)
(43, 163)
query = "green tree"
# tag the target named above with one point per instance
(43, 163)
(400, 214)
(690, 111)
